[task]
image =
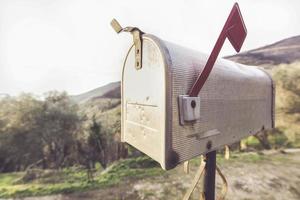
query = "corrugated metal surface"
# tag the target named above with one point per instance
(236, 101)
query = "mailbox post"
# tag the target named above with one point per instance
(210, 176)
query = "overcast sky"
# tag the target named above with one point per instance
(69, 44)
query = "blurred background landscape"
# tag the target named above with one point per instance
(64, 146)
(60, 71)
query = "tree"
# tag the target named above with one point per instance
(19, 144)
(40, 132)
(60, 124)
(97, 143)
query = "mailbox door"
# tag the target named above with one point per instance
(144, 101)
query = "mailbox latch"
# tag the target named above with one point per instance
(189, 109)
(137, 40)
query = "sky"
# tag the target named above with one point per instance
(68, 45)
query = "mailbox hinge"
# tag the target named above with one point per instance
(137, 40)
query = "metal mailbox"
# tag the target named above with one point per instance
(159, 117)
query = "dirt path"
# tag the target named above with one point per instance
(276, 177)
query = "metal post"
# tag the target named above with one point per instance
(210, 176)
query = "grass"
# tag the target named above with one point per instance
(250, 157)
(9, 178)
(235, 156)
(277, 139)
(75, 180)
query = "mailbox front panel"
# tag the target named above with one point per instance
(144, 102)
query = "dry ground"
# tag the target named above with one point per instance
(268, 177)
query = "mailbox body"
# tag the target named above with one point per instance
(236, 101)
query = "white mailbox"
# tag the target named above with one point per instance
(161, 119)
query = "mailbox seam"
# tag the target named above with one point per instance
(169, 114)
(122, 93)
(273, 93)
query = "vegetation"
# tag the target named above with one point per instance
(50, 133)
(287, 79)
(35, 132)
(54, 145)
(73, 179)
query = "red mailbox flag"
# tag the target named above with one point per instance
(236, 32)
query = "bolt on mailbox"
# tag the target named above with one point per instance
(178, 103)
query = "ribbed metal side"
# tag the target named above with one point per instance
(236, 101)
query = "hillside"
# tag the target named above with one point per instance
(111, 90)
(286, 51)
